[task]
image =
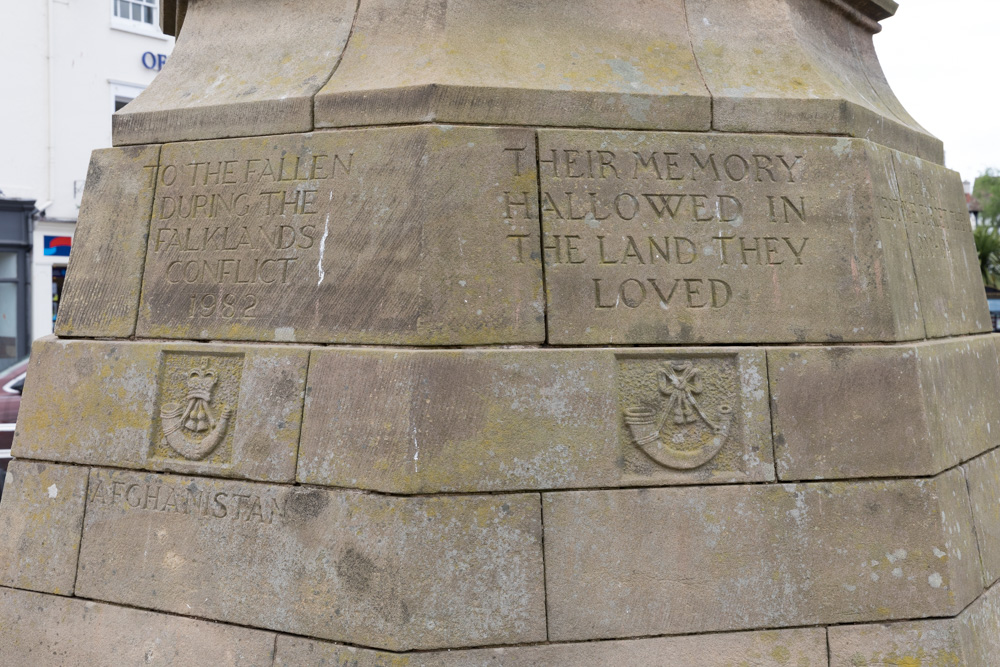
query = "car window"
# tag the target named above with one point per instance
(11, 367)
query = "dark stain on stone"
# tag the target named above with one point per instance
(308, 503)
(95, 173)
(288, 385)
(405, 611)
(355, 570)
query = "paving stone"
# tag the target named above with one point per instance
(983, 474)
(49, 631)
(241, 69)
(543, 63)
(41, 518)
(411, 235)
(101, 292)
(421, 421)
(665, 238)
(385, 572)
(223, 410)
(883, 411)
(665, 561)
(803, 648)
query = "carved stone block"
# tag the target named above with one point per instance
(983, 475)
(637, 71)
(972, 638)
(671, 238)
(218, 85)
(672, 561)
(761, 649)
(883, 411)
(411, 235)
(936, 642)
(101, 293)
(41, 518)
(466, 332)
(224, 410)
(414, 421)
(392, 573)
(802, 67)
(930, 201)
(50, 631)
(982, 620)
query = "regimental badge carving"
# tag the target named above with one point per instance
(184, 424)
(681, 419)
(198, 406)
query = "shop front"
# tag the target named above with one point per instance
(15, 253)
(50, 247)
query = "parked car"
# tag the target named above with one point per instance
(11, 386)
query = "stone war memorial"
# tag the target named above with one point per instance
(509, 333)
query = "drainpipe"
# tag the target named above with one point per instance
(48, 85)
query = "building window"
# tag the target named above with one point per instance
(143, 11)
(141, 17)
(12, 314)
(58, 279)
(15, 226)
(122, 93)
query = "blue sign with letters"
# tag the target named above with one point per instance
(154, 61)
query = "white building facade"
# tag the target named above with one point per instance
(66, 66)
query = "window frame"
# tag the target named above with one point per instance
(123, 90)
(21, 284)
(136, 26)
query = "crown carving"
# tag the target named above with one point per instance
(200, 383)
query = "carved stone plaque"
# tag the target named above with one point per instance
(197, 403)
(690, 411)
(683, 408)
(671, 238)
(418, 235)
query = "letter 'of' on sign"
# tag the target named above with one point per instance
(154, 61)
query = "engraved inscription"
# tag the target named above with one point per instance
(188, 500)
(679, 411)
(374, 236)
(665, 237)
(681, 198)
(239, 222)
(927, 200)
(198, 397)
(234, 226)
